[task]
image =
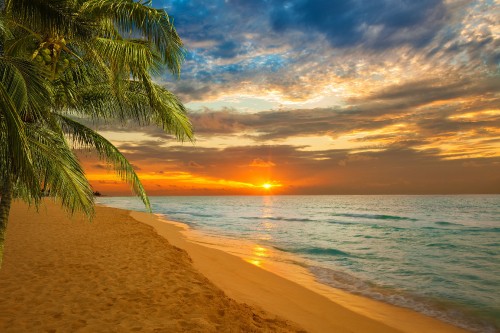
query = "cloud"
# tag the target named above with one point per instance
(101, 166)
(397, 169)
(426, 104)
(446, 115)
(303, 50)
(379, 24)
(427, 90)
(341, 96)
(192, 164)
(353, 158)
(259, 163)
(226, 49)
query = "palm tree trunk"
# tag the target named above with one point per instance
(5, 202)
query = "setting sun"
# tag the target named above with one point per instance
(267, 186)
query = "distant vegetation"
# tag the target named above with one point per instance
(63, 59)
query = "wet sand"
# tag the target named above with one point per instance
(298, 297)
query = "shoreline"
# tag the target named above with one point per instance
(325, 305)
(132, 271)
(295, 268)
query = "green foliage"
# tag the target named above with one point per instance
(52, 154)
(90, 58)
(135, 17)
(87, 138)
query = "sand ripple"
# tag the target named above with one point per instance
(112, 275)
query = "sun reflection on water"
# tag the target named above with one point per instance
(258, 254)
(260, 251)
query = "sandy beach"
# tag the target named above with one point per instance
(129, 271)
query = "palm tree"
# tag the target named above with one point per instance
(93, 59)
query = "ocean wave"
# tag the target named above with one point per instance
(463, 228)
(318, 251)
(388, 228)
(448, 223)
(442, 245)
(342, 222)
(365, 236)
(277, 218)
(173, 213)
(452, 314)
(377, 217)
(479, 229)
(202, 215)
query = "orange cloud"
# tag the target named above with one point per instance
(259, 163)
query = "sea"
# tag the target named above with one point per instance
(435, 254)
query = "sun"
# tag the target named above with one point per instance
(267, 186)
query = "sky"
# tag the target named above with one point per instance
(325, 97)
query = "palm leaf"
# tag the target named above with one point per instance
(20, 45)
(167, 110)
(14, 97)
(154, 24)
(38, 90)
(61, 170)
(50, 18)
(133, 54)
(86, 137)
(172, 116)
(5, 32)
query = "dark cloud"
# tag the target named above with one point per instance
(191, 91)
(274, 43)
(377, 24)
(197, 20)
(436, 89)
(101, 166)
(409, 102)
(225, 50)
(192, 164)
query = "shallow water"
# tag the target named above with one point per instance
(439, 255)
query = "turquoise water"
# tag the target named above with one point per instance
(439, 255)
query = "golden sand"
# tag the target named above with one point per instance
(112, 275)
(120, 275)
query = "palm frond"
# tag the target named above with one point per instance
(167, 110)
(54, 17)
(38, 90)
(60, 169)
(13, 97)
(5, 32)
(87, 138)
(14, 84)
(172, 116)
(154, 25)
(134, 54)
(20, 45)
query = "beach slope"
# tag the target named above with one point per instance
(111, 275)
(128, 271)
